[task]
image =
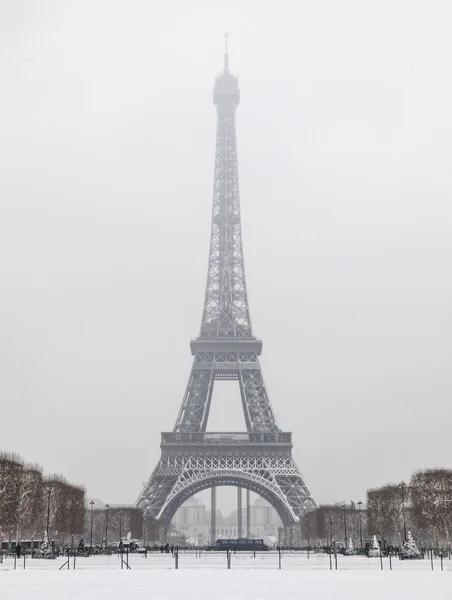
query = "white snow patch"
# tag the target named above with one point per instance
(207, 578)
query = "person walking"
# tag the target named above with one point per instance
(18, 549)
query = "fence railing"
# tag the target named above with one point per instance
(205, 559)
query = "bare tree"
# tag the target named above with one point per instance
(327, 521)
(291, 536)
(385, 512)
(67, 507)
(308, 528)
(11, 472)
(125, 520)
(76, 509)
(356, 523)
(100, 525)
(53, 491)
(27, 501)
(431, 504)
(30, 513)
(331, 524)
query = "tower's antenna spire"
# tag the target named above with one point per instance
(226, 56)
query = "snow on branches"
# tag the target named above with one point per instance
(409, 548)
(25, 498)
(374, 550)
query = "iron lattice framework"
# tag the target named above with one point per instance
(259, 460)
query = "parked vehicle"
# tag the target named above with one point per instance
(240, 544)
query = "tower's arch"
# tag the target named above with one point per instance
(263, 488)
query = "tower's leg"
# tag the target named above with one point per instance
(213, 515)
(248, 514)
(239, 512)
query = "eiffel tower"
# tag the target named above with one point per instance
(260, 459)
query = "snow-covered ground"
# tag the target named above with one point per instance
(207, 578)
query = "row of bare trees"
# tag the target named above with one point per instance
(113, 523)
(33, 505)
(424, 507)
(328, 525)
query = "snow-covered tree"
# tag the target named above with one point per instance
(351, 549)
(45, 545)
(409, 548)
(374, 550)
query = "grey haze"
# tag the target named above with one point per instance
(106, 152)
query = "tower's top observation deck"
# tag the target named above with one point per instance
(226, 93)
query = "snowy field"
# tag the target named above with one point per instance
(207, 578)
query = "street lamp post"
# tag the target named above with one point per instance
(360, 524)
(344, 506)
(144, 533)
(107, 506)
(49, 491)
(402, 487)
(92, 514)
(330, 523)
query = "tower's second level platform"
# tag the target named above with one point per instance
(225, 344)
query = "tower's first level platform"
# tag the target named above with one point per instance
(227, 443)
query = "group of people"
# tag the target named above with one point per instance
(167, 548)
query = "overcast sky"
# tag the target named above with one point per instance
(106, 170)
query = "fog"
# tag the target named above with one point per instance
(107, 148)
